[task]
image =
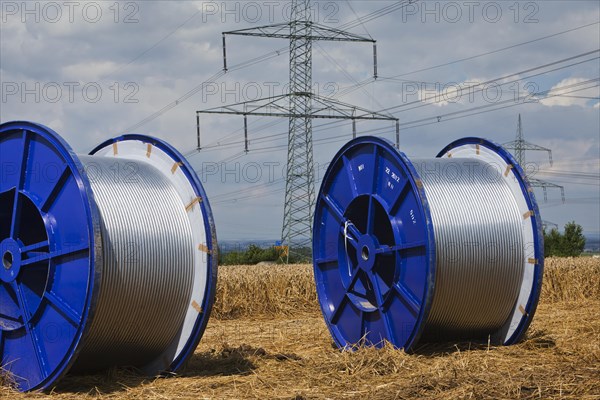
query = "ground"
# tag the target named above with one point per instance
(252, 349)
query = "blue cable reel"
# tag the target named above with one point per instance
(383, 263)
(69, 297)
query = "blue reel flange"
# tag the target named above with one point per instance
(52, 252)
(374, 244)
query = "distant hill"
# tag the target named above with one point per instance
(592, 242)
(227, 246)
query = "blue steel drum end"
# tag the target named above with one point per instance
(48, 280)
(373, 247)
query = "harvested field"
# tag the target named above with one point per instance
(267, 339)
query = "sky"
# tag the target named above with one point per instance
(92, 70)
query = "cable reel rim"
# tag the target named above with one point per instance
(180, 162)
(73, 168)
(416, 190)
(473, 145)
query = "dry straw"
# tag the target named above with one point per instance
(270, 342)
(569, 279)
(248, 291)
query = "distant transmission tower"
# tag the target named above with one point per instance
(519, 147)
(547, 225)
(300, 105)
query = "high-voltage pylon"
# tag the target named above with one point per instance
(519, 147)
(300, 105)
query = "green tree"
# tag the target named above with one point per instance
(552, 243)
(568, 244)
(573, 240)
(252, 255)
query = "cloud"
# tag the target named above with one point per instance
(166, 49)
(562, 94)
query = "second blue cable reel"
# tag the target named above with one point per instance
(383, 247)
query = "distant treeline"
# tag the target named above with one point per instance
(255, 254)
(570, 243)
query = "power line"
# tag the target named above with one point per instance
(370, 80)
(300, 106)
(498, 50)
(573, 174)
(482, 85)
(350, 24)
(358, 19)
(419, 103)
(153, 46)
(456, 114)
(345, 72)
(488, 82)
(515, 102)
(201, 87)
(377, 14)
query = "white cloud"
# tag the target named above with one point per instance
(172, 49)
(89, 71)
(562, 94)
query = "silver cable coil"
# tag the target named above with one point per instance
(147, 268)
(479, 247)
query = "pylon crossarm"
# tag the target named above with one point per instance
(525, 146)
(318, 32)
(248, 107)
(275, 30)
(349, 110)
(278, 106)
(546, 185)
(534, 182)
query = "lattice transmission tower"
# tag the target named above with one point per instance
(300, 106)
(519, 147)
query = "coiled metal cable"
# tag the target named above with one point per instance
(441, 249)
(479, 247)
(147, 271)
(108, 259)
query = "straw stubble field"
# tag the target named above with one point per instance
(267, 339)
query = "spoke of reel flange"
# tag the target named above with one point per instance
(53, 195)
(55, 254)
(377, 290)
(343, 301)
(348, 167)
(321, 262)
(11, 292)
(363, 326)
(399, 247)
(63, 308)
(400, 195)
(382, 313)
(407, 298)
(16, 212)
(35, 246)
(21, 301)
(334, 208)
(371, 216)
(31, 330)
